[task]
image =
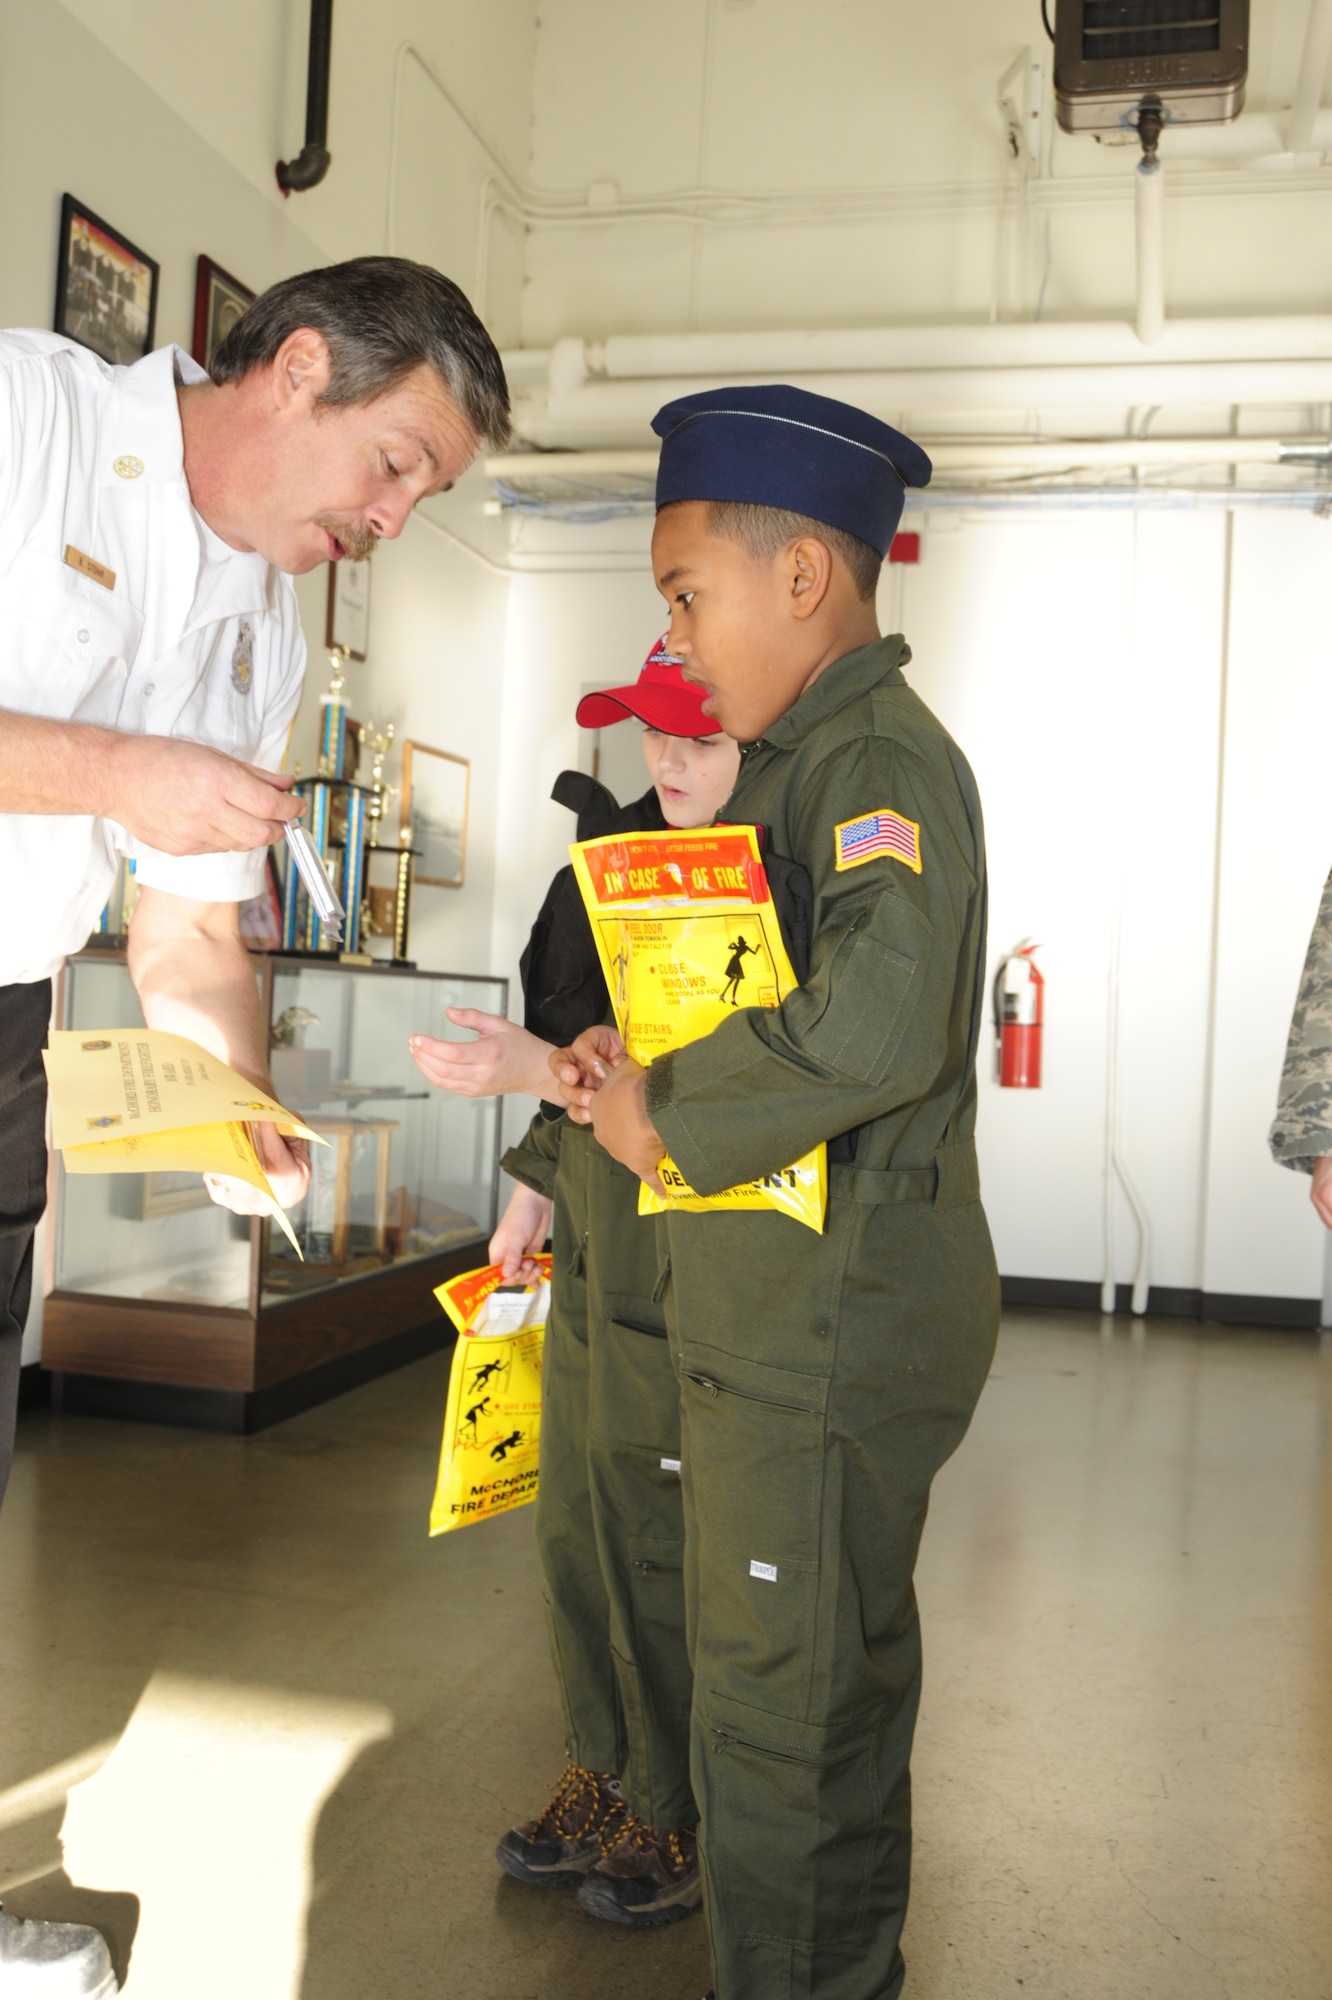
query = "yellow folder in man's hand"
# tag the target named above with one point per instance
(139, 1101)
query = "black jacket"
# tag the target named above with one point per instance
(563, 988)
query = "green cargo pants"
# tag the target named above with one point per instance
(609, 1513)
(824, 1382)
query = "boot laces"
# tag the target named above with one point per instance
(580, 1805)
(641, 1837)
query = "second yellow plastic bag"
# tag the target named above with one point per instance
(492, 1427)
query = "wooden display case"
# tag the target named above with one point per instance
(164, 1307)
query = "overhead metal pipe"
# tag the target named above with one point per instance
(314, 160)
(1312, 78)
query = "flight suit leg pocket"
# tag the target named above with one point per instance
(792, 1812)
(753, 1448)
(635, 1399)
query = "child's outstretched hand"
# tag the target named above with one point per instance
(504, 1057)
(580, 1070)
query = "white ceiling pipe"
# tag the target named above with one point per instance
(959, 391)
(948, 455)
(772, 356)
(573, 465)
(1150, 211)
(1312, 78)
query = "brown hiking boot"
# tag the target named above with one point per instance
(648, 1875)
(584, 1816)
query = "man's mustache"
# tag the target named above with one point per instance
(359, 543)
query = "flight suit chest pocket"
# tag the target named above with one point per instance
(69, 642)
(872, 992)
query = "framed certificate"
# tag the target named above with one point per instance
(349, 607)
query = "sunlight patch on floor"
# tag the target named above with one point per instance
(209, 1804)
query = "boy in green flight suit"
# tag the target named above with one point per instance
(824, 1379)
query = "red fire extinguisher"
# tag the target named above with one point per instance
(1019, 1014)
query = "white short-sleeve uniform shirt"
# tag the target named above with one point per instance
(188, 638)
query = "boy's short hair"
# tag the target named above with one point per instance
(766, 531)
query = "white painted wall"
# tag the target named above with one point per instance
(891, 97)
(237, 78)
(1275, 850)
(1082, 664)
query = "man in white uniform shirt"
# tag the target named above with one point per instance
(151, 659)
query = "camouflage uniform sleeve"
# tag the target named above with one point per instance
(534, 1159)
(1302, 1128)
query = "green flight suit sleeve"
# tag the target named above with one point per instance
(873, 1025)
(1302, 1129)
(534, 1160)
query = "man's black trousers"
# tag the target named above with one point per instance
(25, 1012)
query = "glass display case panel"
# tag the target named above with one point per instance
(408, 1171)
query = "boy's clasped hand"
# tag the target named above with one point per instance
(602, 1086)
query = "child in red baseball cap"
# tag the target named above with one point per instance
(619, 1826)
(692, 767)
(691, 764)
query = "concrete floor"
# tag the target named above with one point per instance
(277, 1730)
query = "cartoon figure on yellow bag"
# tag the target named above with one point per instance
(492, 1426)
(735, 969)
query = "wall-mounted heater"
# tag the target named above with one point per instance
(1188, 58)
(1143, 65)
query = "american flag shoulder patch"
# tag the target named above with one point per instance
(865, 839)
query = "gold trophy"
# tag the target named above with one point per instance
(377, 744)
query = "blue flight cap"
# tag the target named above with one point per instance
(783, 447)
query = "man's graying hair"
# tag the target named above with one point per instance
(382, 317)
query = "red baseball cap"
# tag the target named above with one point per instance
(659, 697)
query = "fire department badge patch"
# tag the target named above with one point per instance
(242, 659)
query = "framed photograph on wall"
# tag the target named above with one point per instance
(435, 785)
(219, 301)
(349, 607)
(106, 288)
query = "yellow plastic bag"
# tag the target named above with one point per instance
(686, 932)
(492, 1427)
